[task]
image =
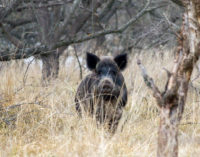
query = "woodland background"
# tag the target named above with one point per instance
(42, 60)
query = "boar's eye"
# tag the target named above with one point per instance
(99, 72)
(113, 72)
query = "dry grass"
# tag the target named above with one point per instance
(41, 121)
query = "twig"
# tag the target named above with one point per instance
(8, 10)
(106, 9)
(25, 74)
(11, 38)
(178, 2)
(170, 26)
(169, 74)
(66, 21)
(79, 63)
(30, 6)
(173, 79)
(18, 22)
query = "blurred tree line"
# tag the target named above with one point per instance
(46, 28)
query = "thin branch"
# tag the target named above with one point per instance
(107, 9)
(169, 74)
(25, 74)
(79, 63)
(18, 22)
(30, 6)
(173, 79)
(11, 38)
(23, 53)
(150, 83)
(8, 10)
(69, 17)
(178, 2)
(82, 20)
(170, 26)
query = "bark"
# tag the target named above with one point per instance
(50, 66)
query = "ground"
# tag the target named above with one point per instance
(41, 121)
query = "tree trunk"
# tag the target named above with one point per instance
(50, 66)
(167, 134)
(50, 62)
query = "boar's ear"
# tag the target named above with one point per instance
(91, 60)
(121, 60)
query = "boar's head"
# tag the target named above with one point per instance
(108, 74)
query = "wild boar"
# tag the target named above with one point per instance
(103, 92)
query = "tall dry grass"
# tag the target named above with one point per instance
(41, 121)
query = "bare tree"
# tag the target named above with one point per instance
(51, 26)
(172, 101)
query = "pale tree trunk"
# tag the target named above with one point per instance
(172, 101)
(50, 66)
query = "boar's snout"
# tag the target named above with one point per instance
(106, 86)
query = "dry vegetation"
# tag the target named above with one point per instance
(41, 121)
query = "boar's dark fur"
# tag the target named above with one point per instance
(103, 93)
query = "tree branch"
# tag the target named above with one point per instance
(18, 22)
(22, 53)
(66, 21)
(108, 31)
(11, 38)
(30, 5)
(7, 11)
(178, 2)
(107, 9)
(150, 83)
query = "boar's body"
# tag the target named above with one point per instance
(103, 93)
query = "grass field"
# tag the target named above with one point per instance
(41, 121)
